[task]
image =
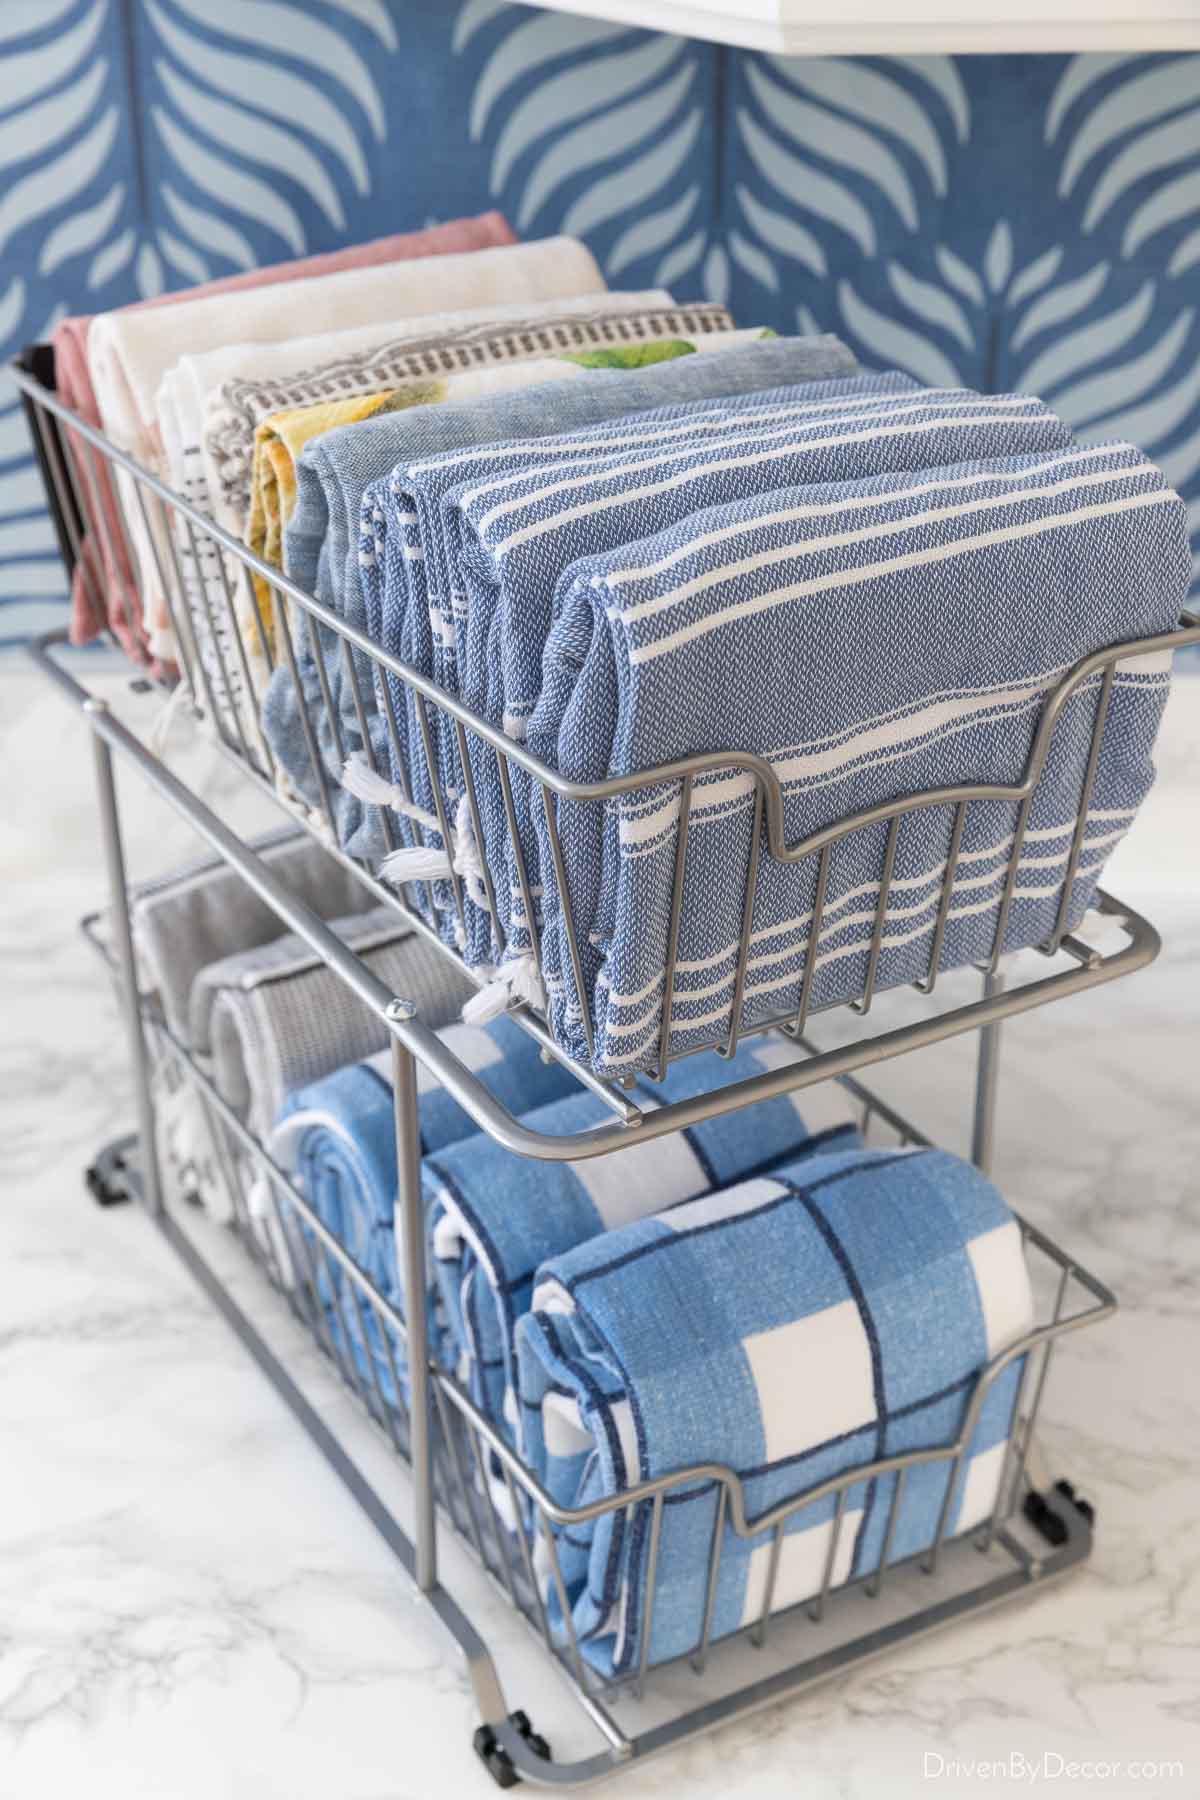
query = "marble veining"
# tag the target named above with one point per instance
(191, 1607)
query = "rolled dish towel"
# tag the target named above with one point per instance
(184, 921)
(337, 1135)
(791, 1329)
(276, 1018)
(493, 1217)
(190, 918)
(103, 588)
(787, 625)
(336, 1138)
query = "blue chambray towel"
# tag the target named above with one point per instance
(515, 533)
(336, 1137)
(870, 640)
(321, 542)
(792, 1329)
(493, 1217)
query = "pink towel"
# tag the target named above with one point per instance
(103, 591)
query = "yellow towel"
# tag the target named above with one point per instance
(278, 442)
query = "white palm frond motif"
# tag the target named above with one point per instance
(1114, 353)
(60, 198)
(844, 173)
(1129, 137)
(260, 128)
(844, 162)
(149, 147)
(1126, 131)
(595, 130)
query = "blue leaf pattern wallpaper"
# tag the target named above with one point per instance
(1018, 221)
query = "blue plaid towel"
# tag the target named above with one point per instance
(870, 640)
(494, 1217)
(494, 544)
(335, 471)
(792, 1329)
(337, 1140)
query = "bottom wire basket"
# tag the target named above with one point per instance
(509, 1527)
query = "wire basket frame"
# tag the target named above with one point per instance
(465, 1475)
(214, 658)
(505, 1518)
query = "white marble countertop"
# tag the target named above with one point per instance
(192, 1609)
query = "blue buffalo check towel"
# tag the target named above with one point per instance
(870, 640)
(333, 474)
(508, 531)
(791, 1329)
(336, 1138)
(493, 1217)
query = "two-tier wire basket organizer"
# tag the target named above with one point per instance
(454, 1465)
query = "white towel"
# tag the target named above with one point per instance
(209, 404)
(130, 352)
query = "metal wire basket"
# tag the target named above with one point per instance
(467, 1483)
(510, 1525)
(221, 627)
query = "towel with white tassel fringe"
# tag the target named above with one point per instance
(420, 862)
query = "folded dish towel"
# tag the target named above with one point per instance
(622, 340)
(870, 639)
(103, 590)
(130, 353)
(197, 915)
(345, 363)
(276, 1018)
(210, 403)
(503, 532)
(322, 538)
(490, 1216)
(493, 1217)
(791, 1329)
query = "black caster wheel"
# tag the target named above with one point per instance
(496, 1761)
(1045, 1520)
(534, 1739)
(495, 1758)
(112, 1178)
(1044, 1512)
(1077, 1501)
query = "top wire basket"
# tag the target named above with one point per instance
(237, 621)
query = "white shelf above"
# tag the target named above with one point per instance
(896, 27)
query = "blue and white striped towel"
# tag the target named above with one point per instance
(509, 538)
(792, 1329)
(336, 469)
(870, 640)
(493, 1217)
(336, 1138)
(411, 584)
